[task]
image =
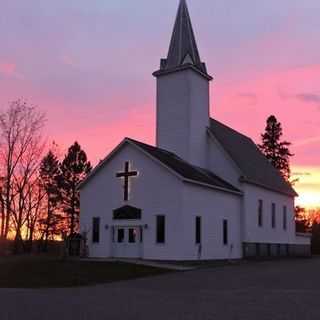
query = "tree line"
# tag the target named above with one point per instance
(38, 192)
(277, 152)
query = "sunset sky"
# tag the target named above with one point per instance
(88, 64)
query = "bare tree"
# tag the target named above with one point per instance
(2, 180)
(35, 207)
(21, 148)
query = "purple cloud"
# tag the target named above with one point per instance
(307, 97)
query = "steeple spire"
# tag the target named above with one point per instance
(183, 50)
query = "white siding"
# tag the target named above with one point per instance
(213, 207)
(183, 115)
(267, 234)
(221, 163)
(156, 191)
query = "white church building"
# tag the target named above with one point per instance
(204, 191)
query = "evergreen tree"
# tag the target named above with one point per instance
(276, 151)
(74, 168)
(49, 177)
(301, 219)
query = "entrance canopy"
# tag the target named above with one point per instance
(127, 213)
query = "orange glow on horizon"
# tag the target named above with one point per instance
(308, 186)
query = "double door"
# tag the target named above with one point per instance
(127, 241)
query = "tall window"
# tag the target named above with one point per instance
(161, 229)
(225, 232)
(120, 237)
(141, 234)
(198, 230)
(260, 213)
(273, 215)
(285, 218)
(132, 235)
(95, 230)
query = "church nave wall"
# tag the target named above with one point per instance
(267, 233)
(213, 207)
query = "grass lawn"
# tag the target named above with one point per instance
(48, 272)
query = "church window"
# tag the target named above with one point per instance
(120, 235)
(260, 213)
(161, 226)
(132, 235)
(95, 230)
(225, 232)
(285, 219)
(273, 216)
(198, 230)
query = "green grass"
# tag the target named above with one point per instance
(44, 272)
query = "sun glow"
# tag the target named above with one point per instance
(308, 186)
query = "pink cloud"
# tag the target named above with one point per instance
(97, 136)
(246, 104)
(9, 70)
(68, 60)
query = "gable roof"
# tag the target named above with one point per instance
(254, 166)
(185, 170)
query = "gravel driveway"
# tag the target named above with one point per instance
(258, 291)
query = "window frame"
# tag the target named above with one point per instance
(260, 213)
(96, 229)
(123, 231)
(160, 238)
(225, 232)
(273, 216)
(141, 234)
(198, 230)
(132, 237)
(285, 218)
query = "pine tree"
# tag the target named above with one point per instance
(49, 177)
(74, 168)
(276, 151)
(301, 219)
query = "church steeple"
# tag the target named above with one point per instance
(183, 51)
(183, 95)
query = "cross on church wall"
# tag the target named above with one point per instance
(126, 175)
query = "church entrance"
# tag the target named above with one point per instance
(127, 241)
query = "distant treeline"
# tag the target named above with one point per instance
(39, 199)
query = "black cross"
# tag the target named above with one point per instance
(126, 175)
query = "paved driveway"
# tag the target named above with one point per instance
(258, 291)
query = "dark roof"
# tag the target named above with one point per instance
(183, 168)
(253, 165)
(183, 50)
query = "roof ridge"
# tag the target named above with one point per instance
(151, 146)
(183, 167)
